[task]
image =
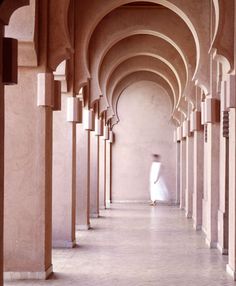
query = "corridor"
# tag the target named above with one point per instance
(138, 245)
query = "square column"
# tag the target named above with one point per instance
(182, 173)
(177, 172)
(64, 178)
(212, 184)
(108, 174)
(102, 173)
(224, 187)
(231, 266)
(82, 178)
(189, 177)
(198, 167)
(28, 179)
(94, 175)
(2, 118)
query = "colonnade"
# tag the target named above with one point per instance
(58, 107)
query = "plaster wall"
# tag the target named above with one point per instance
(144, 109)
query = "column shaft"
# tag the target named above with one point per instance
(82, 178)
(177, 173)
(223, 196)
(189, 177)
(94, 175)
(102, 173)
(213, 131)
(198, 163)
(2, 115)
(64, 178)
(108, 174)
(28, 181)
(182, 173)
(231, 267)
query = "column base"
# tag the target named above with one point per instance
(197, 227)
(210, 244)
(94, 215)
(222, 250)
(188, 215)
(82, 226)
(230, 271)
(10, 276)
(63, 244)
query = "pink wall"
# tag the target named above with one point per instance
(144, 110)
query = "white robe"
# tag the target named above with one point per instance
(158, 190)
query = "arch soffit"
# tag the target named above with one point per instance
(185, 9)
(111, 35)
(23, 27)
(168, 65)
(143, 46)
(142, 62)
(103, 103)
(223, 38)
(132, 78)
(8, 7)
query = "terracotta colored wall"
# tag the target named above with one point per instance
(144, 111)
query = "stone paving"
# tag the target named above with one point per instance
(138, 245)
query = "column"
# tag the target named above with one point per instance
(224, 185)
(212, 157)
(177, 172)
(82, 178)
(2, 110)
(64, 178)
(102, 173)
(189, 177)
(108, 173)
(182, 172)
(28, 176)
(231, 266)
(94, 175)
(198, 167)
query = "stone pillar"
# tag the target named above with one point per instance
(102, 173)
(198, 167)
(212, 200)
(28, 177)
(231, 266)
(94, 175)
(224, 186)
(82, 178)
(64, 178)
(108, 174)
(182, 173)
(2, 110)
(177, 172)
(189, 177)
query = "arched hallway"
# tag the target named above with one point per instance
(137, 245)
(117, 101)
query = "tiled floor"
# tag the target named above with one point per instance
(138, 245)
